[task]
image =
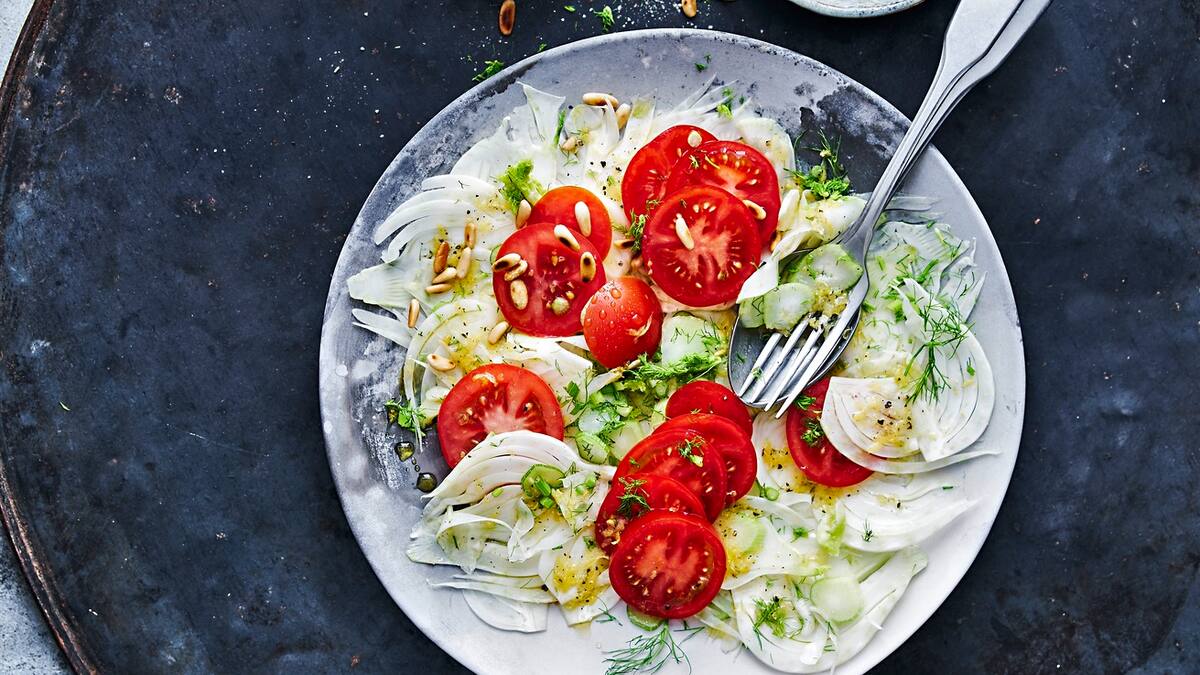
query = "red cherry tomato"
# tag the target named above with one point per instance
(632, 496)
(719, 250)
(493, 399)
(811, 449)
(551, 283)
(739, 170)
(703, 396)
(668, 565)
(558, 206)
(728, 439)
(645, 181)
(685, 456)
(622, 321)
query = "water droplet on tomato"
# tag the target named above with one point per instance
(616, 294)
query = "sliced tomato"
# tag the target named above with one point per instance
(726, 438)
(645, 182)
(683, 455)
(811, 449)
(668, 565)
(554, 292)
(632, 496)
(493, 399)
(558, 206)
(703, 396)
(622, 321)
(739, 170)
(718, 252)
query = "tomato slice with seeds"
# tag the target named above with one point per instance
(703, 396)
(739, 170)
(558, 206)
(685, 456)
(668, 565)
(811, 449)
(645, 181)
(549, 299)
(632, 496)
(706, 263)
(493, 399)
(622, 321)
(728, 439)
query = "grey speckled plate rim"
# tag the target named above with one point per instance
(376, 501)
(857, 9)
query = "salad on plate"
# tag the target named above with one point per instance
(565, 296)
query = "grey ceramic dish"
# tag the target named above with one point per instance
(856, 9)
(358, 371)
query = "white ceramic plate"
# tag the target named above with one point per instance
(856, 9)
(358, 371)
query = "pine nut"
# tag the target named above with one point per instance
(445, 275)
(469, 235)
(694, 138)
(689, 8)
(684, 234)
(464, 262)
(584, 217)
(566, 237)
(414, 312)
(506, 261)
(497, 332)
(508, 17)
(569, 144)
(523, 212)
(438, 288)
(623, 243)
(441, 257)
(519, 294)
(759, 212)
(439, 362)
(775, 241)
(587, 267)
(623, 112)
(560, 305)
(517, 271)
(597, 98)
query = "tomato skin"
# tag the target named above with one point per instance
(622, 321)
(726, 438)
(738, 169)
(664, 551)
(725, 247)
(821, 463)
(660, 493)
(659, 453)
(492, 399)
(645, 178)
(558, 206)
(709, 397)
(553, 273)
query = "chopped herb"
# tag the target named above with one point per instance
(407, 416)
(606, 17)
(805, 401)
(569, 8)
(813, 432)
(724, 111)
(827, 178)
(773, 616)
(517, 183)
(562, 117)
(947, 487)
(649, 653)
(944, 328)
(687, 451)
(646, 374)
(541, 48)
(695, 162)
(490, 68)
(633, 496)
(636, 228)
(867, 532)
(799, 533)
(606, 616)
(970, 368)
(702, 66)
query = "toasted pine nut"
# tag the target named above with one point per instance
(508, 16)
(597, 98)
(560, 305)
(587, 267)
(445, 275)
(519, 294)
(566, 237)
(506, 261)
(584, 217)
(694, 138)
(439, 362)
(414, 312)
(523, 212)
(623, 112)
(434, 289)
(469, 235)
(440, 258)
(759, 212)
(497, 332)
(569, 144)
(623, 243)
(464, 262)
(517, 271)
(689, 8)
(684, 234)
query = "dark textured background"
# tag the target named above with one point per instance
(177, 181)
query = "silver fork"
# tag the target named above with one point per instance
(980, 36)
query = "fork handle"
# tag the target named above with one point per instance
(972, 37)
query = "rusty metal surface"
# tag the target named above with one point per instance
(178, 177)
